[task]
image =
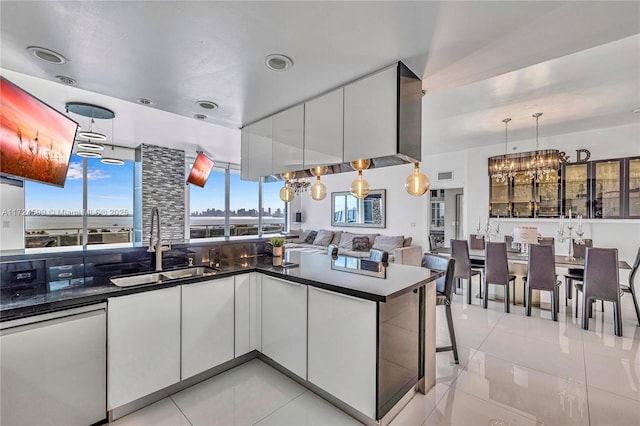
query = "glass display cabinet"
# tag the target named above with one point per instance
(606, 186)
(522, 196)
(632, 190)
(548, 196)
(499, 198)
(576, 189)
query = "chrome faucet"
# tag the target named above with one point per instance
(157, 248)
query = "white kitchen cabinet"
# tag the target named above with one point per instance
(370, 116)
(256, 148)
(342, 348)
(323, 127)
(288, 140)
(255, 320)
(207, 325)
(284, 323)
(243, 313)
(53, 369)
(143, 344)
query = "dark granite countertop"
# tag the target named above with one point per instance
(313, 269)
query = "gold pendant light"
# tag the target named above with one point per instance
(417, 183)
(360, 165)
(318, 190)
(359, 187)
(286, 192)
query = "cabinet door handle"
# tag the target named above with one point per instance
(285, 281)
(346, 296)
(65, 275)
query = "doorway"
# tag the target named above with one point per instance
(446, 212)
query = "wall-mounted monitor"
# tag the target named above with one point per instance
(35, 139)
(200, 171)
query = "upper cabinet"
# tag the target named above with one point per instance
(377, 117)
(323, 130)
(257, 146)
(370, 116)
(287, 139)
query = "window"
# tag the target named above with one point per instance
(207, 206)
(55, 216)
(208, 210)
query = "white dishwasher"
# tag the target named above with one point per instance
(53, 368)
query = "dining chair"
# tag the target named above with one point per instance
(476, 242)
(508, 239)
(497, 272)
(601, 281)
(630, 287)
(444, 293)
(575, 274)
(541, 275)
(463, 269)
(547, 241)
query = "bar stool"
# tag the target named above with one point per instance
(444, 292)
(497, 271)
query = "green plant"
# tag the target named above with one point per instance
(277, 241)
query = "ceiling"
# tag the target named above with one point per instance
(478, 60)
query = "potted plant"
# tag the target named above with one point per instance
(277, 243)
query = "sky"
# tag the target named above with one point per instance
(110, 191)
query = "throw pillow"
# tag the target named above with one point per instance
(310, 237)
(346, 240)
(388, 242)
(407, 242)
(323, 238)
(360, 243)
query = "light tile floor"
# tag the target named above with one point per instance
(513, 370)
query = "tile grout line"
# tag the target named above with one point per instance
(279, 408)
(180, 409)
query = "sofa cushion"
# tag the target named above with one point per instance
(323, 238)
(388, 242)
(311, 236)
(407, 241)
(336, 237)
(347, 237)
(360, 243)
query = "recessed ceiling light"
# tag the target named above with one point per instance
(636, 111)
(66, 80)
(144, 101)
(278, 62)
(207, 105)
(89, 154)
(200, 116)
(47, 55)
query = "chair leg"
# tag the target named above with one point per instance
(555, 300)
(602, 305)
(452, 333)
(590, 308)
(576, 303)
(585, 311)
(527, 301)
(469, 289)
(617, 318)
(569, 288)
(480, 285)
(506, 297)
(635, 303)
(485, 286)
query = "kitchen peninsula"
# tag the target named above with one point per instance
(361, 342)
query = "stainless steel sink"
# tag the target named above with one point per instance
(195, 271)
(164, 276)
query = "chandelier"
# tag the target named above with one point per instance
(501, 167)
(300, 185)
(539, 165)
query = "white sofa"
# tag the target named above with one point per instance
(399, 248)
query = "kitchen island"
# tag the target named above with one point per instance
(364, 343)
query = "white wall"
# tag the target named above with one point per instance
(406, 215)
(450, 213)
(12, 226)
(613, 142)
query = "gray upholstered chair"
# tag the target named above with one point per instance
(497, 271)
(444, 293)
(575, 274)
(541, 275)
(508, 239)
(476, 242)
(547, 241)
(463, 270)
(601, 281)
(630, 287)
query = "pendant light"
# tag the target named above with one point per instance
(318, 189)
(286, 192)
(112, 161)
(417, 183)
(91, 135)
(501, 166)
(359, 187)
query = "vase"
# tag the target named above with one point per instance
(277, 251)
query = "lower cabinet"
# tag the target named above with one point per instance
(207, 325)
(284, 323)
(342, 348)
(143, 344)
(53, 369)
